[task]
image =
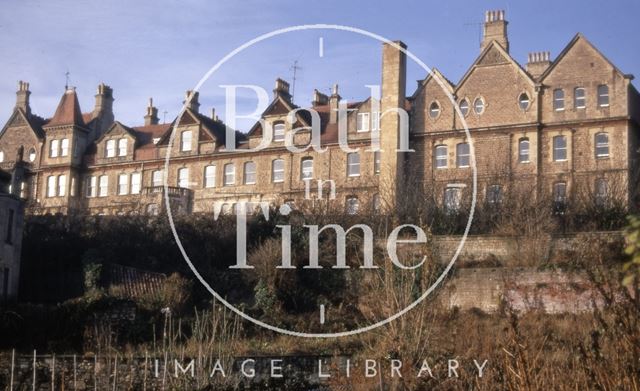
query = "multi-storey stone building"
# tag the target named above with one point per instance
(552, 125)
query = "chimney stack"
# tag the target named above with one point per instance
(537, 63)
(334, 101)
(22, 97)
(282, 90)
(104, 105)
(319, 99)
(495, 29)
(152, 114)
(191, 99)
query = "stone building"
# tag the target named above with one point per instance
(11, 220)
(555, 126)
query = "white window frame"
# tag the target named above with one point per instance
(439, 158)
(522, 156)
(122, 147)
(353, 164)
(62, 185)
(103, 186)
(601, 145)
(249, 173)
(92, 186)
(136, 182)
(558, 100)
(157, 178)
(54, 147)
(52, 186)
(479, 103)
(582, 98)
(183, 177)
(603, 95)
(279, 130)
(229, 178)
(110, 148)
(123, 184)
(64, 147)
(362, 122)
(557, 150)
(210, 176)
(524, 103)
(306, 168)
(277, 173)
(460, 155)
(186, 140)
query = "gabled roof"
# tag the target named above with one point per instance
(577, 38)
(277, 103)
(34, 122)
(118, 125)
(147, 133)
(494, 45)
(436, 75)
(68, 111)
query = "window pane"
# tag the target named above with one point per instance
(51, 186)
(183, 177)
(306, 169)
(494, 194)
(558, 99)
(523, 101)
(91, 186)
(103, 186)
(157, 178)
(122, 147)
(434, 110)
(277, 170)
(62, 185)
(377, 162)
(186, 141)
(136, 182)
(278, 132)
(559, 148)
(210, 176)
(249, 173)
(478, 106)
(462, 155)
(464, 107)
(353, 164)
(123, 184)
(441, 156)
(53, 148)
(352, 205)
(603, 95)
(580, 99)
(362, 124)
(64, 147)
(452, 199)
(602, 145)
(601, 191)
(523, 151)
(229, 174)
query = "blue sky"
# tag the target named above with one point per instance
(160, 49)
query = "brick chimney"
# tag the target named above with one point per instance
(537, 63)
(495, 29)
(22, 97)
(104, 105)
(282, 90)
(191, 99)
(334, 101)
(152, 114)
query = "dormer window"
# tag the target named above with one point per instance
(111, 148)
(362, 123)
(122, 147)
(185, 141)
(278, 132)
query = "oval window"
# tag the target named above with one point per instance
(464, 107)
(478, 106)
(32, 154)
(523, 101)
(434, 110)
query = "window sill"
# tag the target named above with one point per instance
(561, 160)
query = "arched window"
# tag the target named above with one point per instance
(579, 98)
(523, 150)
(249, 173)
(277, 171)
(440, 154)
(478, 106)
(523, 101)
(434, 110)
(462, 155)
(278, 131)
(229, 174)
(306, 168)
(602, 145)
(32, 154)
